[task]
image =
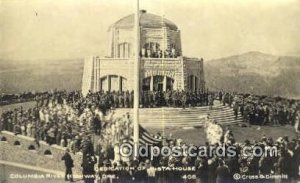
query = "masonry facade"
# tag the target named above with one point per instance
(162, 66)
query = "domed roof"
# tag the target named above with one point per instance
(147, 20)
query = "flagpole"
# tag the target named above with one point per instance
(136, 80)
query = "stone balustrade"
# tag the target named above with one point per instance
(22, 149)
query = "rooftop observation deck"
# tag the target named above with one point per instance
(150, 59)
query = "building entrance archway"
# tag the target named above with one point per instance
(113, 83)
(157, 83)
(193, 83)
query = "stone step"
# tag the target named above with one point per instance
(189, 117)
(157, 114)
(174, 109)
(175, 115)
(185, 125)
(178, 118)
(196, 117)
(184, 121)
(181, 111)
(197, 114)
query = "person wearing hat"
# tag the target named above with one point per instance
(88, 171)
(201, 170)
(69, 165)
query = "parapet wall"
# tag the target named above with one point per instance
(114, 74)
(15, 148)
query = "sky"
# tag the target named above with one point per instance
(67, 29)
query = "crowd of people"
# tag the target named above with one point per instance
(173, 98)
(207, 169)
(155, 52)
(73, 121)
(263, 110)
(53, 121)
(62, 117)
(150, 99)
(6, 99)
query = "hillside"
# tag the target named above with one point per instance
(19, 76)
(255, 72)
(252, 72)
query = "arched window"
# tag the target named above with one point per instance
(124, 50)
(158, 83)
(113, 83)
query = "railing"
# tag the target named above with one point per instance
(161, 61)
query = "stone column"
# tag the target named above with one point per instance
(98, 73)
(120, 83)
(100, 85)
(129, 51)
(151, 83)
(125, 50)
(108, 83)
(94, 75)
(164, 45)
(193, 80)
(119, 51)
(115, 45)
(196, 83)
(110, 43)
(175, 84)
(165, 83)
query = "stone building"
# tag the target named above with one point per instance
(162, 66)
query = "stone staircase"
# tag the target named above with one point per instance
(178, 117)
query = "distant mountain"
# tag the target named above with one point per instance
(40, 75)
(255, 72)
(252, 72)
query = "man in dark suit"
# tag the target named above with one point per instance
(97, 124)
(222, 173)
(88, 170)
(69, 165)
(87, 146)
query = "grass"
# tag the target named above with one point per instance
(25, 105)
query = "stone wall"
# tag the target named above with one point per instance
(193, 66)
(163, 36)
(171, 67)
(174, 38)
(179, 69)
(123, 68)
(152, 35)
(120, 36)
(87, 78)
(10, 151)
